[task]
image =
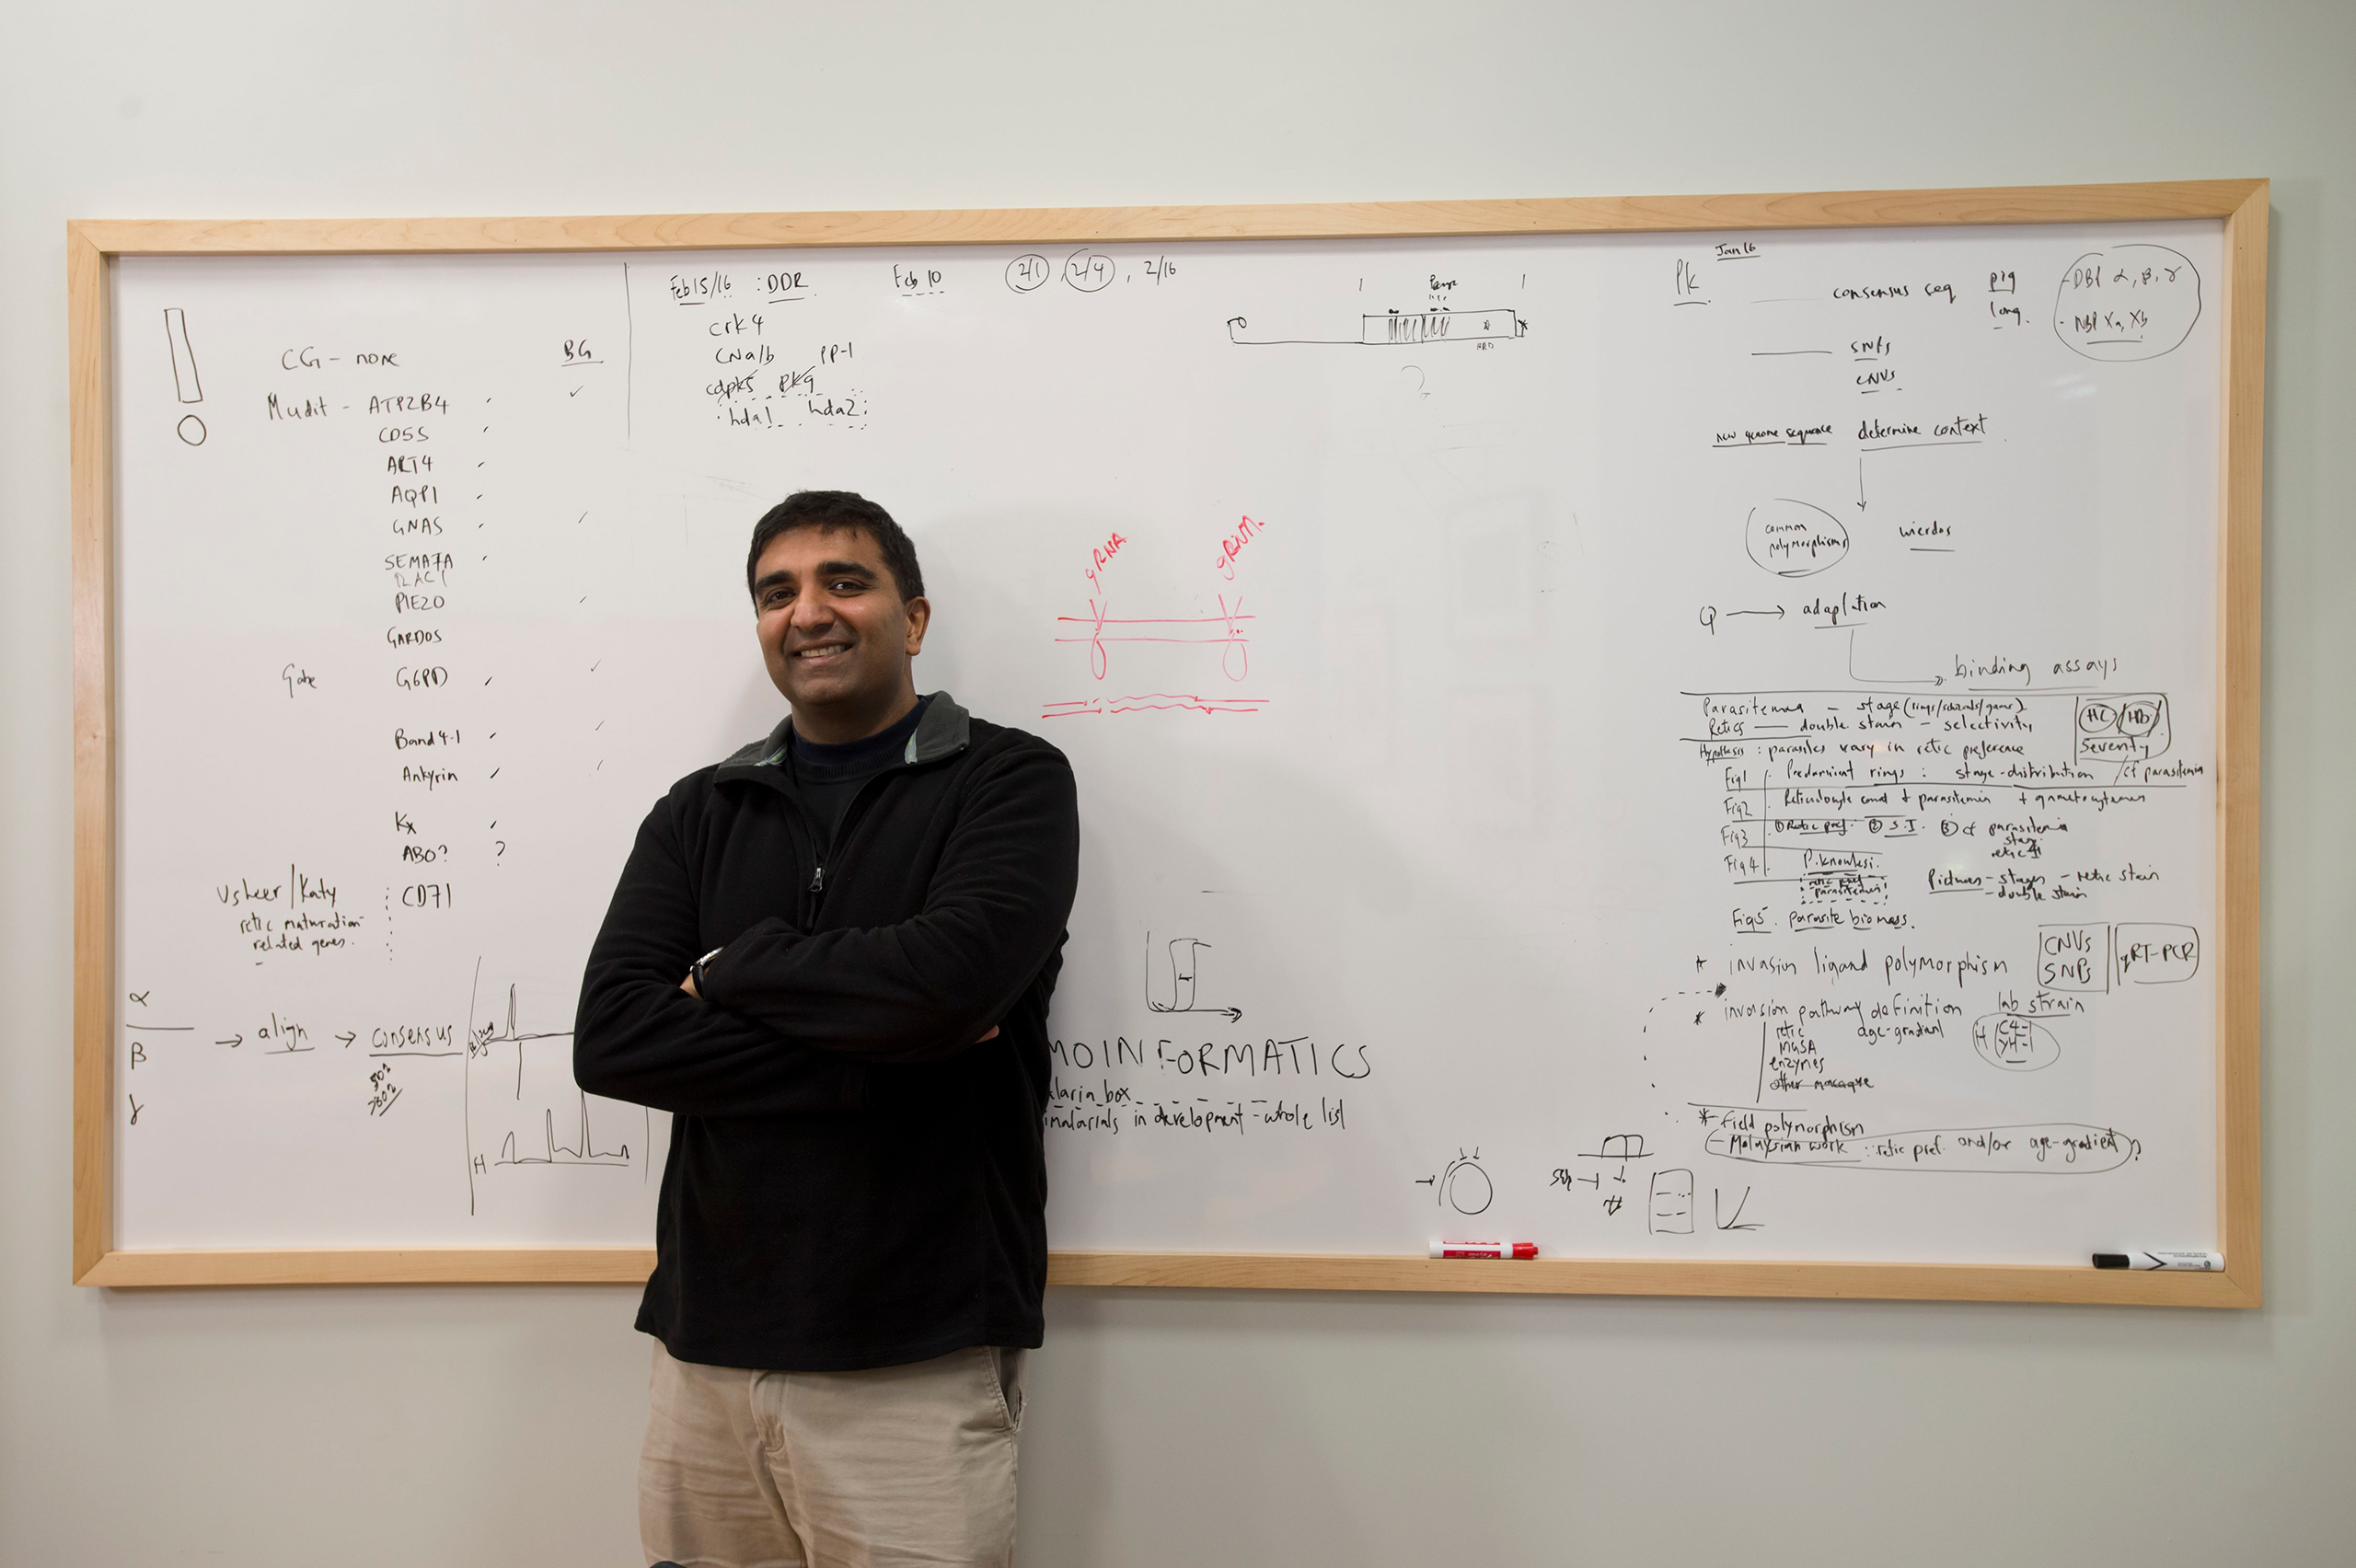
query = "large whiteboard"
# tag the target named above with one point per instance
(1690, 746)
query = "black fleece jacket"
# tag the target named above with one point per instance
(852, 1182)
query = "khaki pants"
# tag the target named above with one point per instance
(832, 1470)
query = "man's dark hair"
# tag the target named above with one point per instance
(828, 511)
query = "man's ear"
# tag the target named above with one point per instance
(919, 613)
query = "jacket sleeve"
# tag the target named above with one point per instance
(922, 989)
(640, 1038)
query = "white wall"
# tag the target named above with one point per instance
(498, 1426)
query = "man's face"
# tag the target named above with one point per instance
(835, 633)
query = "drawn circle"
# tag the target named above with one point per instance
(2130, 302)
(2094, 715)
(1467, 1187)
(2015, 1044)
(1792, 538)
(1027, 271)
(1088, 271)
(2139, 716)
(191, 429)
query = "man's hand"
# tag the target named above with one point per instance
(689, 985)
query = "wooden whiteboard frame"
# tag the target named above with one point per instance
(91, 247)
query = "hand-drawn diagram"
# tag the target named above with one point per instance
(1184, 969)
(583, 1150)
(513, 1113)
(1617, 1151)
(185, 382)
(1399, 329)
(1152, 701)
(1793, 538)
(2015, 1044)
(1669, 1207)
(1461, 1184)
(1230, 638)
(1621, 1147)
(1229, 632)
(2130, 302)
(1734, 1221)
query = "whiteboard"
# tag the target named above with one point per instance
(1682, 746)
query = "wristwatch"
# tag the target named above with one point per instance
(695, 970)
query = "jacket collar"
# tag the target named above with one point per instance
(945, 730)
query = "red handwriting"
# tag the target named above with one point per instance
(1101, 557)
(1235, 659)
(1232, 546)
(1152, 701)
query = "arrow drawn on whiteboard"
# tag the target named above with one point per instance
(1885, 680)
(1186, 969)
(1462, 1184)
(1711, 615)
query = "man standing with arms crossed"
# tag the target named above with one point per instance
(830, 958)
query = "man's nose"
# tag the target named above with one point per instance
(812, 612)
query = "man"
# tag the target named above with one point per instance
(830, 958)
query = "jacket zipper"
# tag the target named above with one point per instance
(817, 888)
(816, 891)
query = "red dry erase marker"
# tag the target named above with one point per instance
(1485, 1248)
